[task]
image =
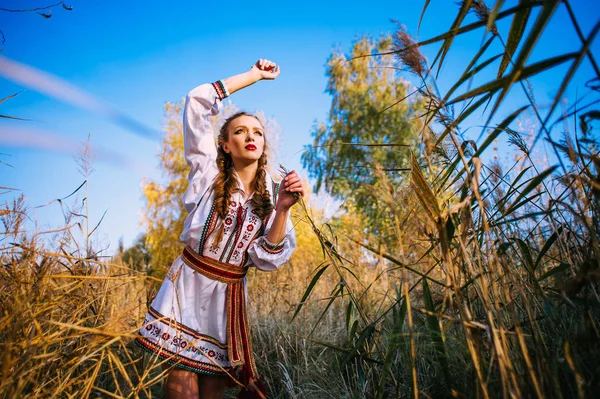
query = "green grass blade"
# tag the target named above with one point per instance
(571, 72)
(422, 15)
(367, 332)
(547, 245)
(464, 10)
(536, 181)
(463, 115)
(562, 267)
(309, 289)
(506, 82)
(493, 15)
(337, 291)
(521, 217)
(515, 33)
(469, 74)
(519, 71)
(513, 188)
(349, 314)
(489, 140)
(524, 249)
(434, 326)
(522, 203)
(396, 339)
(397, 262)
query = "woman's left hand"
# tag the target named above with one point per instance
(291, 190)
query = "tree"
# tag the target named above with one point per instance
(361, 152)
(137, 256)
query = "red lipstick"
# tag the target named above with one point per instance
(250, 147)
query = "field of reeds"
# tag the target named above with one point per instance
(492, 290)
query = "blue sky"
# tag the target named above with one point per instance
(138, 55)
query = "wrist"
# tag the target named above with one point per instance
(279, 208)
(254, 75)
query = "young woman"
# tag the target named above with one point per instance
(238, 217)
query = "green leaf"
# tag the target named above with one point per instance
(464, 10)
(522, 203)
(338, 289)
(536, 181)
(489, 140)
(352, 331)
(562, 267)
(396, 338)
(524, 249)
(504, 83)
(434, 326)
(422, 14)
(571, 72)
(513, 187)
(468, 74)
(551, 240)
(493, 15)
(359, 343)
(528, 215)
(397, 262)
(349, 314)
(309, 289)
(517, 27)
(519, 71)
(463, 115)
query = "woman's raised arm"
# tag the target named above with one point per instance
(199, 144)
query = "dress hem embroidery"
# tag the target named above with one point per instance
(185, 329)
(180, 361)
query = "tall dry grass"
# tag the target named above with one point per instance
(498, 295)
(67, 319)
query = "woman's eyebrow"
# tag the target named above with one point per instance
(246, 127)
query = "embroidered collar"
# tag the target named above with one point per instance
(240, 185)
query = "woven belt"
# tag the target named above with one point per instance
(239, 345)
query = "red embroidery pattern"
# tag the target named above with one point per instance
(220, 89)
(181, 327)
(180, 360)
(272, 249)
(155, 329)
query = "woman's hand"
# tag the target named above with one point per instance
(291, 190)
(265, 69)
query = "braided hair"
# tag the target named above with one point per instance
(225, 182)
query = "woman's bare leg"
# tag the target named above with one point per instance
(212, 387)
(182, 384)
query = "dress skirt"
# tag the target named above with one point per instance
(186, 323)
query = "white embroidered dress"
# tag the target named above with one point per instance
(186, 323)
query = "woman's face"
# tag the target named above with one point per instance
(246, 140)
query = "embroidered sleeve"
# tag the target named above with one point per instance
(268, 256)
(271, 248)
(199, 138)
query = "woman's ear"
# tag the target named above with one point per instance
(225, 147)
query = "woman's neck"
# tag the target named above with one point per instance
(246, 173)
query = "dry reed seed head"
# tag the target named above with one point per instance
(429, 139)
(516, 139)
(408, 52)
(482, 11)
